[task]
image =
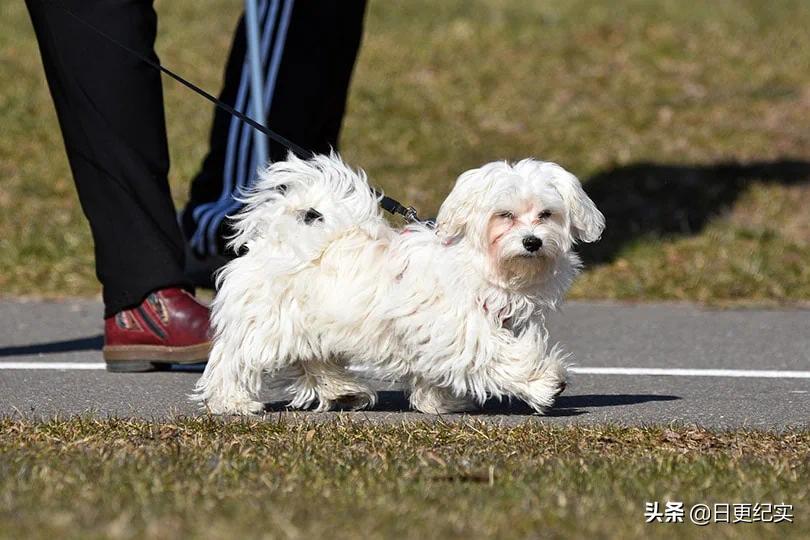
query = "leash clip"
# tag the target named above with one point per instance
(410, 215)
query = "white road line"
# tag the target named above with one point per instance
(676, 372)
(52, 365)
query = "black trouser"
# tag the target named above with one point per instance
(110, 110)
(308, 50)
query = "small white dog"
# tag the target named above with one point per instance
(327, 290)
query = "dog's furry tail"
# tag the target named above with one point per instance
(296, 198)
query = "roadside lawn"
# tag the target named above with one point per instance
(688, 121)
(280, 478)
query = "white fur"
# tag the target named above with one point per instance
(455, 315)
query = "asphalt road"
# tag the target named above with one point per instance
(67, 335)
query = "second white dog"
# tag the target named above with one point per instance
(327, 290)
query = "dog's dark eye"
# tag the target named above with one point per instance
(506, 214)
(544, 214)
(310, 216)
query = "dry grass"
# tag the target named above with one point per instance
(615, 92)
(91, 478)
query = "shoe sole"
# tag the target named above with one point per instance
(141, 358)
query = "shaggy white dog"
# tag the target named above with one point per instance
(327, 290)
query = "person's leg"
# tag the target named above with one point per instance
(308, 53)
(110, 110)
(314, 75)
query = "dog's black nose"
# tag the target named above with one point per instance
(532, 243)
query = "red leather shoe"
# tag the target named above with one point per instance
(169, 327)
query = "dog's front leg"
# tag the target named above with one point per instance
(525, 367)
(229, 384)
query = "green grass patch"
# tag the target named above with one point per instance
(644, 99)
(115, 478)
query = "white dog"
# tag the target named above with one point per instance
(326, 290)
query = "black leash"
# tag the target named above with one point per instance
(387, 203)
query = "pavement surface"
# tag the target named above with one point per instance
(714, 368)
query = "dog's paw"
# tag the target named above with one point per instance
(348, 402)
(560, 389)
(542, 394)
(432, 400)
(356, 402)
(238, 407)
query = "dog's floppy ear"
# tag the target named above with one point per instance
(587, 222)
(459, 205)
(451, 221)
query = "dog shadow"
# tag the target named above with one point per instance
(387, 401)
(659, 200)
(395, 401)
(571, 405)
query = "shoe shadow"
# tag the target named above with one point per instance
(660, 200)
(90, 343)
(187, 368)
